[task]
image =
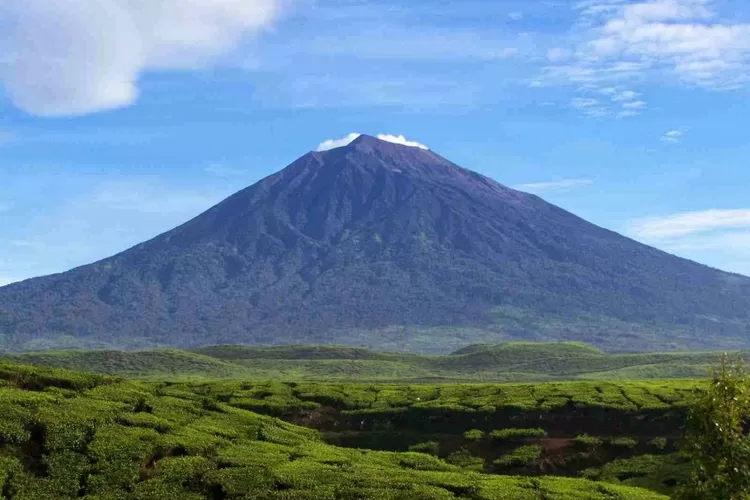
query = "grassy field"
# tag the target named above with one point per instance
(509, 362)
(70, 435)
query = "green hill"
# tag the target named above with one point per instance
(169, 363)
(66, 435)
(509, 362)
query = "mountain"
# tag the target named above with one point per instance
(385, 246)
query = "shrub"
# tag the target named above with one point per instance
(473, 435)
(524, 455)
(586, 441)
(623, 442)
(463, 458)
(429, 447)
(716, 439)
(515, 434)
(420, 461)
(658, 443)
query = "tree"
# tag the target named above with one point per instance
(716, 439)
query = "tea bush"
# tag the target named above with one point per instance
(67, 435)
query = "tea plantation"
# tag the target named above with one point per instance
(66, 434)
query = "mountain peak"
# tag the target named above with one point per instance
(367, 140)
(385, 142)
(383, 244)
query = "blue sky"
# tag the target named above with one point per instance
(120, 119)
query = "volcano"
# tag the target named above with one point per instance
(386, 246)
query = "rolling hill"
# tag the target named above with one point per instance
(388, 247)
(509, 362)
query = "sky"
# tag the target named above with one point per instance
(120, 119)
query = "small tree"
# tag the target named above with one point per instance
(716, 440)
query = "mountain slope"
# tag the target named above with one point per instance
(381, 245)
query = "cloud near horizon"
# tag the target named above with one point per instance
(349, 138)
(672, 136)
(686, 223)
(719, 236)
(87, 56)
(554, 186)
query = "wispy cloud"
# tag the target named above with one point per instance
(717, 237)
(397, 42)
(587, 105)
(618, 43)
(554, 186)
(685, 223)
(672, 136)
(87, 56)
(352, 53)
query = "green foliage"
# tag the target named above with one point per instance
(716, 438)
(522, 456)
(585, 441)
(516, 434)
(623, 442)
(70, 435)
(659, 473)
(658, 443)
(473, 435)
(429, 447)
(463, 458)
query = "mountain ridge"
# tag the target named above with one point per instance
(378, 244)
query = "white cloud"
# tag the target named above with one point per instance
(337, 143)
(588, 106)
(87, 55)
(686, 223)
(579, 102)
(667, 41)
(634, 105)
(400, 139)
(554, 186)
(720, 238)
(349, 138)
(516, 16)
(673, 136)
(624, 95)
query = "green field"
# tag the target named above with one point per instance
(68, 435)
(509, 362)
(515, 420)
